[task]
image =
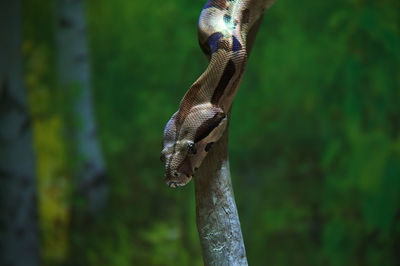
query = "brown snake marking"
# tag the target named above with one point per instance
(226, 32)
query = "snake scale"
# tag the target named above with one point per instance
(226, 32)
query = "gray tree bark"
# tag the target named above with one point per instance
(74, 77)
(19, 241)
(216, 214)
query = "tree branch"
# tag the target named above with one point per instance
(216, 214)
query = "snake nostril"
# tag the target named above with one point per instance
(176, 174)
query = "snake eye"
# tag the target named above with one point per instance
(192, 148)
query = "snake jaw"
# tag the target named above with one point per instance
(177, 184)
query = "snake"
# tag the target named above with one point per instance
(226, 32)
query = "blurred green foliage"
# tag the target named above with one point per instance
(314, 136)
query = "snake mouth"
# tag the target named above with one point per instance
(177, 178)
(178, 183)
(175, 184)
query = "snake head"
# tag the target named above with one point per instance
(187, 140)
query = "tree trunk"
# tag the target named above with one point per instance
(74, 76)
(217, 217)
(19, 241)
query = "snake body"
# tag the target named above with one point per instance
(226, 32)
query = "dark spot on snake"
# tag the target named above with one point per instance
(227, 18)
(236, 46)
(208, 146)
(235, 23)
(213, 41)
(223, 82)
(208, 126)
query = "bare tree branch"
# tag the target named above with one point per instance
(216, 214)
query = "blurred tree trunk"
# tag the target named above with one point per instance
(75, 80)
(19, 243)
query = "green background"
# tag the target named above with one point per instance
(314, 136)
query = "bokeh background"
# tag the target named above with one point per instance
(314, 136)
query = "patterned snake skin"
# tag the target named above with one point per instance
(226, 32)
